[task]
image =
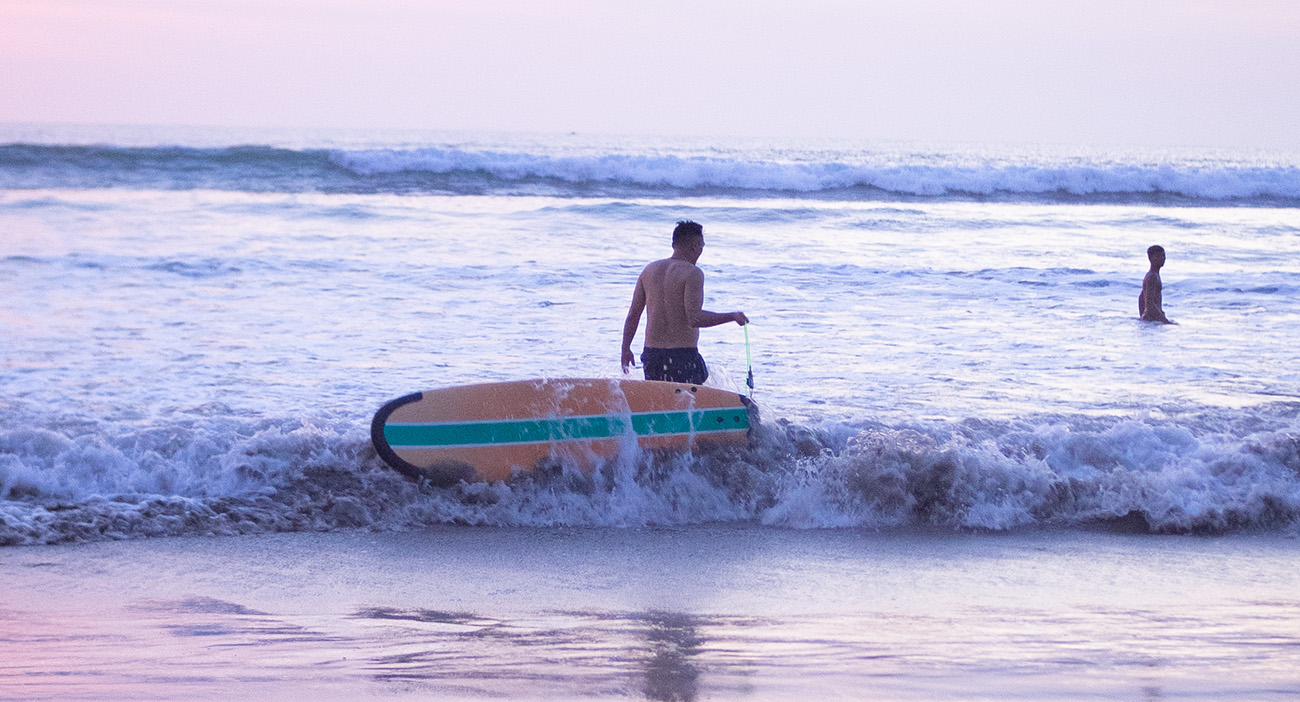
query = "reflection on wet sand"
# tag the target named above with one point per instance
(652, 653)
(670, 671)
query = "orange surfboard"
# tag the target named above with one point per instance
(490, 431)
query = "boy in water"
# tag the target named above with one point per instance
(672, 290)
(1149, 302)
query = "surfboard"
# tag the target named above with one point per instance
(490, 431)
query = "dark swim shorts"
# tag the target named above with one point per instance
(684, 365)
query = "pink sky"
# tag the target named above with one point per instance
(1155, 72)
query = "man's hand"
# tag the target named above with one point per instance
(629, 360)
(739, 318)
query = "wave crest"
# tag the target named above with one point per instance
(866, 176)
(919, 179)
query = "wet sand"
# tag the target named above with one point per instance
(715, 612)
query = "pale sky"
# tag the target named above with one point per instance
(1128, 72)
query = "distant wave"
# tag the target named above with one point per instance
(217, 473)
(457, 171)
(249, 168)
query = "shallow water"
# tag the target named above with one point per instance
(198, 325)
(277, 302)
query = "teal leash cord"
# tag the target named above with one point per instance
(749, 363)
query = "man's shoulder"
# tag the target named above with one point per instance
(671, 266)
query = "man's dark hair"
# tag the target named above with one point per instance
(1155, 249)
(685, 230)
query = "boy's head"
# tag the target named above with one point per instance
(1156, 254)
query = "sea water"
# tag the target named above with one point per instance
(196, 327)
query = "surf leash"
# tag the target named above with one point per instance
(749, 363)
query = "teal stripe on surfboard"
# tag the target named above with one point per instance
(581, 428)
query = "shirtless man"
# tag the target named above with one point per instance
(1150, 308)
(672, 289)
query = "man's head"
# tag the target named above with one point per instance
(1156, 254)
(688, 240)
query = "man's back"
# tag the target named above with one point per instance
(666, 284)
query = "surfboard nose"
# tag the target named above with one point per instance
(380, 441)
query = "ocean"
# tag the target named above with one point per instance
(978, 474)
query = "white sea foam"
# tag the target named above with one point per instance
(224, 477)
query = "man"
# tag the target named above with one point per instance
(672, 290)
(1150, 308)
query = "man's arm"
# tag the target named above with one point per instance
(694, 299)
(631, 323)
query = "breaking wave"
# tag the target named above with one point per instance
(222, 475)
(868, 176)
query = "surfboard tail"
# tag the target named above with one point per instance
(751, 410)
